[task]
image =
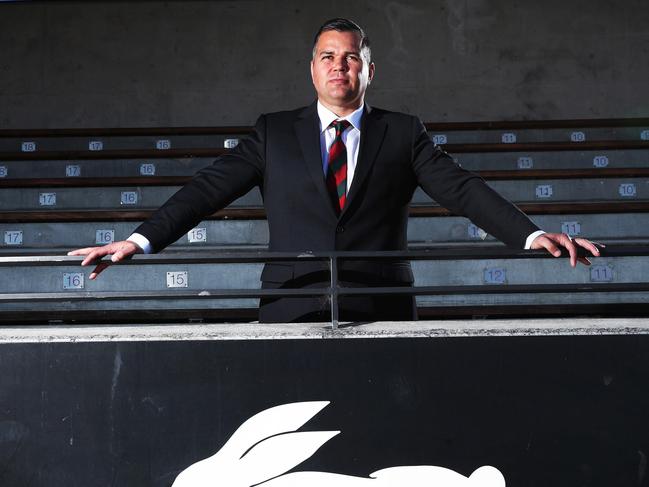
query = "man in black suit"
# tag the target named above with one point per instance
(337, 175)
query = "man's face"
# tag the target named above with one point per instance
(340, 73)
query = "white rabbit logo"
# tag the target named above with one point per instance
(267, 445)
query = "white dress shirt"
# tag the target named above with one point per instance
(351, 138)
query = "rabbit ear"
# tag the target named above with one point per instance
(487, 476)
(276, 455)
(271, 422)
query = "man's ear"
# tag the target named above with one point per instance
(311, 68)
(371, 73)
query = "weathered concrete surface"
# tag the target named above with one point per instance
(111, 64)
(296, 331)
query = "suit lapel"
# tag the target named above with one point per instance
(372, 135)
(307, 129)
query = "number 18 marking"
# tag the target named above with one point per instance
(508, 138)
(577, 137)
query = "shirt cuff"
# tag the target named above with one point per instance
(530, 239)
(142, 242)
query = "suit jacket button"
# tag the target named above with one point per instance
(340, 229)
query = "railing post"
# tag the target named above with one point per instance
(333, 297)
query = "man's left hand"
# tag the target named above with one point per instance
(553, 242)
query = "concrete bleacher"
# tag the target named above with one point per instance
(71, 188)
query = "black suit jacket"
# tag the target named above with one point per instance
(283, 158)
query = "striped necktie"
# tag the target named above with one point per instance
(337, 167)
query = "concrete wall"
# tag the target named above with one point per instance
(108, 64)
(546, 411)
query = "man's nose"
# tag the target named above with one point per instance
(341, 63)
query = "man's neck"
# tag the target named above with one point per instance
(342, 111)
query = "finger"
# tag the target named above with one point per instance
(119, 255)
(95, 255)
(549, 245)
(584, 260)
(124, 252)
(84, 251)
(567, 242)
(91, 257)
(588, 245)
(98, 270)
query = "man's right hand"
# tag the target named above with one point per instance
(119, 251)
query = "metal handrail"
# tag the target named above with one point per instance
(332, 258)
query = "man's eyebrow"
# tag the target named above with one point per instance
(356, 53)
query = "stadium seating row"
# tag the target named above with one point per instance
(575, 131)
(55, 237)
(594, 163)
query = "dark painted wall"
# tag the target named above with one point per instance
(546, 411)
(111, 63)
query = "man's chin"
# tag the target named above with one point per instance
(342, 96)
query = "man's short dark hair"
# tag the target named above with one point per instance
(345, 25)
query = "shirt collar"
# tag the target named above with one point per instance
(327, 116)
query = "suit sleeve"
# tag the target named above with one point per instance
(465, 193)
(212, 188)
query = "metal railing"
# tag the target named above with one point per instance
(334, 290)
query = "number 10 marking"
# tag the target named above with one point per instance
(627, 190)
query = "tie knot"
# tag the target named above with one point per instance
(340, 125)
